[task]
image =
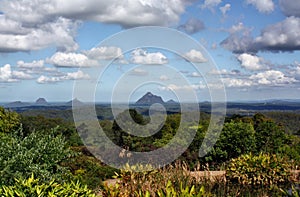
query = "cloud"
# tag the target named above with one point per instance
(263, 6)
(192, 26)
(7, 75)
(251, 62)
(225, 8)
(295, 71)
(104, 53)
(282, 36)
(237, 83)
(8, 26)
(61, 59)
(239, 39)
(290, 7)
(35, 67)
(239, 28)
(224, 72)
(59, 33)
(34, 25)
(79, 75)
(272, 77)
(125, 13)
(195, 56)
(21, 75)
(45, 79)
(195, 74)
(173, 87)
(139, 72)
(164, 78)
(33, 64)
(140, 56)
(211, 3)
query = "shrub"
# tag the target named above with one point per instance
(34, 188)
(89, 170)
(9, 121)
(36, 153)
(263, 169)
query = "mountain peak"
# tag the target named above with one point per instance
(149, 99)
(171, 101)
(41, 101)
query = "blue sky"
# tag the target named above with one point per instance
(48, 45)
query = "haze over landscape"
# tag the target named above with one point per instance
(254, 44)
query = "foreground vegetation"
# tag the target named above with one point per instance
(45, 157)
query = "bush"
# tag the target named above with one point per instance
(9, 121)
(263, 169)
(36, 153)
(90, 171)
(34, 188)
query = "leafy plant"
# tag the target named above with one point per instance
(263, 169)
(34, 188)
(9, 121)
(173, 180)
(36, 153)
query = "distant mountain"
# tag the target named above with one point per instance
(171, 102)
(41, 101)
(149, 99)
(75, 102)
(16, 104)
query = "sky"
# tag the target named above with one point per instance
(248, 50)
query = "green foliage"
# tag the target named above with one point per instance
(140, 183)
(35, 188)
(236, 138)
(187, 191)
(9, 121)
(289, 120)
(269, 137)
(36, 153)
(263, 169)
(291, 150)
(89, 170)
(45, 125)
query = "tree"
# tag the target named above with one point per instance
(9, 121)
(236, 138)
(36, 153)
(269, 137)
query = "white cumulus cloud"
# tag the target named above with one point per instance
(76, 75)
(59, 32)
(104, 53)
(195, 56)
(61, 59)
(282, 36)
(251, 62)
(140, 56)
(45, 79)
(272, 77)
(8, 75)
(263, 6)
